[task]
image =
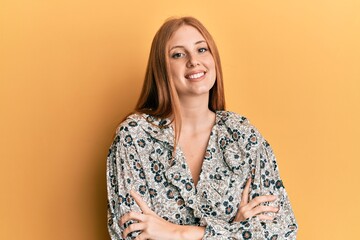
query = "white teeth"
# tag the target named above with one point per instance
(196, 75)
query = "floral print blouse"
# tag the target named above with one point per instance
(140, 158)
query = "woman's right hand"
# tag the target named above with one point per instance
(249, 209)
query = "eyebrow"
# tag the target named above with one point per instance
(179, 46)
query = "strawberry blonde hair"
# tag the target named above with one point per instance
(158, 96)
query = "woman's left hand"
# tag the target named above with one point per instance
(148, 222)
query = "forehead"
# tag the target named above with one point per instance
(185, 35)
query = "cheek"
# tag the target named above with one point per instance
(211, 63)
(212, 67)
(174, 69)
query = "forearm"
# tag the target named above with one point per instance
(186, 232)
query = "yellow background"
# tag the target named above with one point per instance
(70, 70)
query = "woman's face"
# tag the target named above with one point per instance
(192, 66)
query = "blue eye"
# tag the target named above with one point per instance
(202, 50)
(177, 55)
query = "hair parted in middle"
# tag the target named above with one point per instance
(158, 96)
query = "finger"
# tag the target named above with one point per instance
(261, 199)
(141, 237)
(141, 203)
(265, 217)
(132, 228)
(245, 193)
(244, 214)
(239, 216)
(262, 209)
(132, 216)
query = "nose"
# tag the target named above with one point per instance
(192, 61)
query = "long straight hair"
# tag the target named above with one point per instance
(158, 96)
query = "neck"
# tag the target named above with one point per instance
(195, 114)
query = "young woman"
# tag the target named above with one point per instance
(181, 167)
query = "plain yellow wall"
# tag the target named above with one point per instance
(70, 70)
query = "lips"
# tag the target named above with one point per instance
(195, 75)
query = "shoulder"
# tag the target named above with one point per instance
(132, 121)
(144, 120)
(238, 125)
(232, 119)
(131, 127)
(140, 125)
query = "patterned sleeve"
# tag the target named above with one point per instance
(120, 178)
(265, 181)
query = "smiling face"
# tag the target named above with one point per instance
(192, 66)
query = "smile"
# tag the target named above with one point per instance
(195, 75)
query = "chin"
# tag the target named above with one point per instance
(200, 92)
